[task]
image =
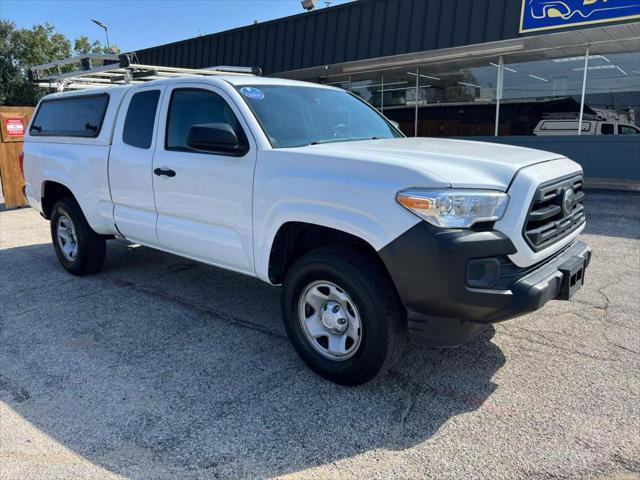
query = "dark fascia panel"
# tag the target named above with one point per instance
(352, 31)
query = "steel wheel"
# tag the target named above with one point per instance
(330, 320)
(67, 238)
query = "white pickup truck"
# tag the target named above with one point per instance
(374, 237)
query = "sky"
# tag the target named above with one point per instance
(136, 24)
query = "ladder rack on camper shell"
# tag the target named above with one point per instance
(87, 71)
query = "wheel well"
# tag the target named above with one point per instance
(51, 193)
(295, 239)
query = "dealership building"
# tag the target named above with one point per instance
(562, 76)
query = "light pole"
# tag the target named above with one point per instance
(102, 25)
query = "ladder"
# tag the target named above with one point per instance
(94, 70)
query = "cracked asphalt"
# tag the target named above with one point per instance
(160, 367)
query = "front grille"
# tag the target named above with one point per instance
(554, 214)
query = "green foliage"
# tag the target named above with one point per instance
(21, 48)
(82, 46)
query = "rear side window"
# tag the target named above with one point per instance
(140, 120)
(569, 125)
(606, 129)
(77, 116)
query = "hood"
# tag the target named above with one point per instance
(461, 163)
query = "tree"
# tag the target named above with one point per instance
(22, 48)
(82, 46)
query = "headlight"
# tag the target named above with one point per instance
(455, 208)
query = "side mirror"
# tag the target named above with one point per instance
(215, 137)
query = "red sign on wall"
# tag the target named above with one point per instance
(15, 127)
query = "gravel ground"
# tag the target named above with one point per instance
(160, 367)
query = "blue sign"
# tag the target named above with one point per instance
(551, 14)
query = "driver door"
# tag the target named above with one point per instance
(203, 199)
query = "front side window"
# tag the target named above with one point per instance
(140, 120)
(70, 116)
(627, 130)
(191, 107)
(294, 116)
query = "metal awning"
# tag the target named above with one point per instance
(601, 40)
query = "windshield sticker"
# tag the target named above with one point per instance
(253, 93)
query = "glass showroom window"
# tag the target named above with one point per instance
(542, 96)
(612, 96)
(399, 98)
(340, 81)
(368, 86)
(457, 98)
(393, 92)
(450, 99)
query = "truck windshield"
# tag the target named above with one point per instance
(294, 116)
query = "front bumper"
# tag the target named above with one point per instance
(429, 268)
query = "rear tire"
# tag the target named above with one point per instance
(367, 333)
(80, 250)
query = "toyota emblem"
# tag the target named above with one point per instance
(567, 201)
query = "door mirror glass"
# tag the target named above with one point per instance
(215, 137)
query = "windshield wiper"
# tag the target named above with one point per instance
(333, 140)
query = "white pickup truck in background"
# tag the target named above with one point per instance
(373, 236)
(566, 124)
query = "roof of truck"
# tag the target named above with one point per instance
(234, 80)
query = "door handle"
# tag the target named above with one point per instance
(166, 173)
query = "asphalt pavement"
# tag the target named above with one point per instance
(162, 368)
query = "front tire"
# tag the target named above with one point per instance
(343, 315)
(80, 250)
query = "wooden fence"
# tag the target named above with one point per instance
(13, 122)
